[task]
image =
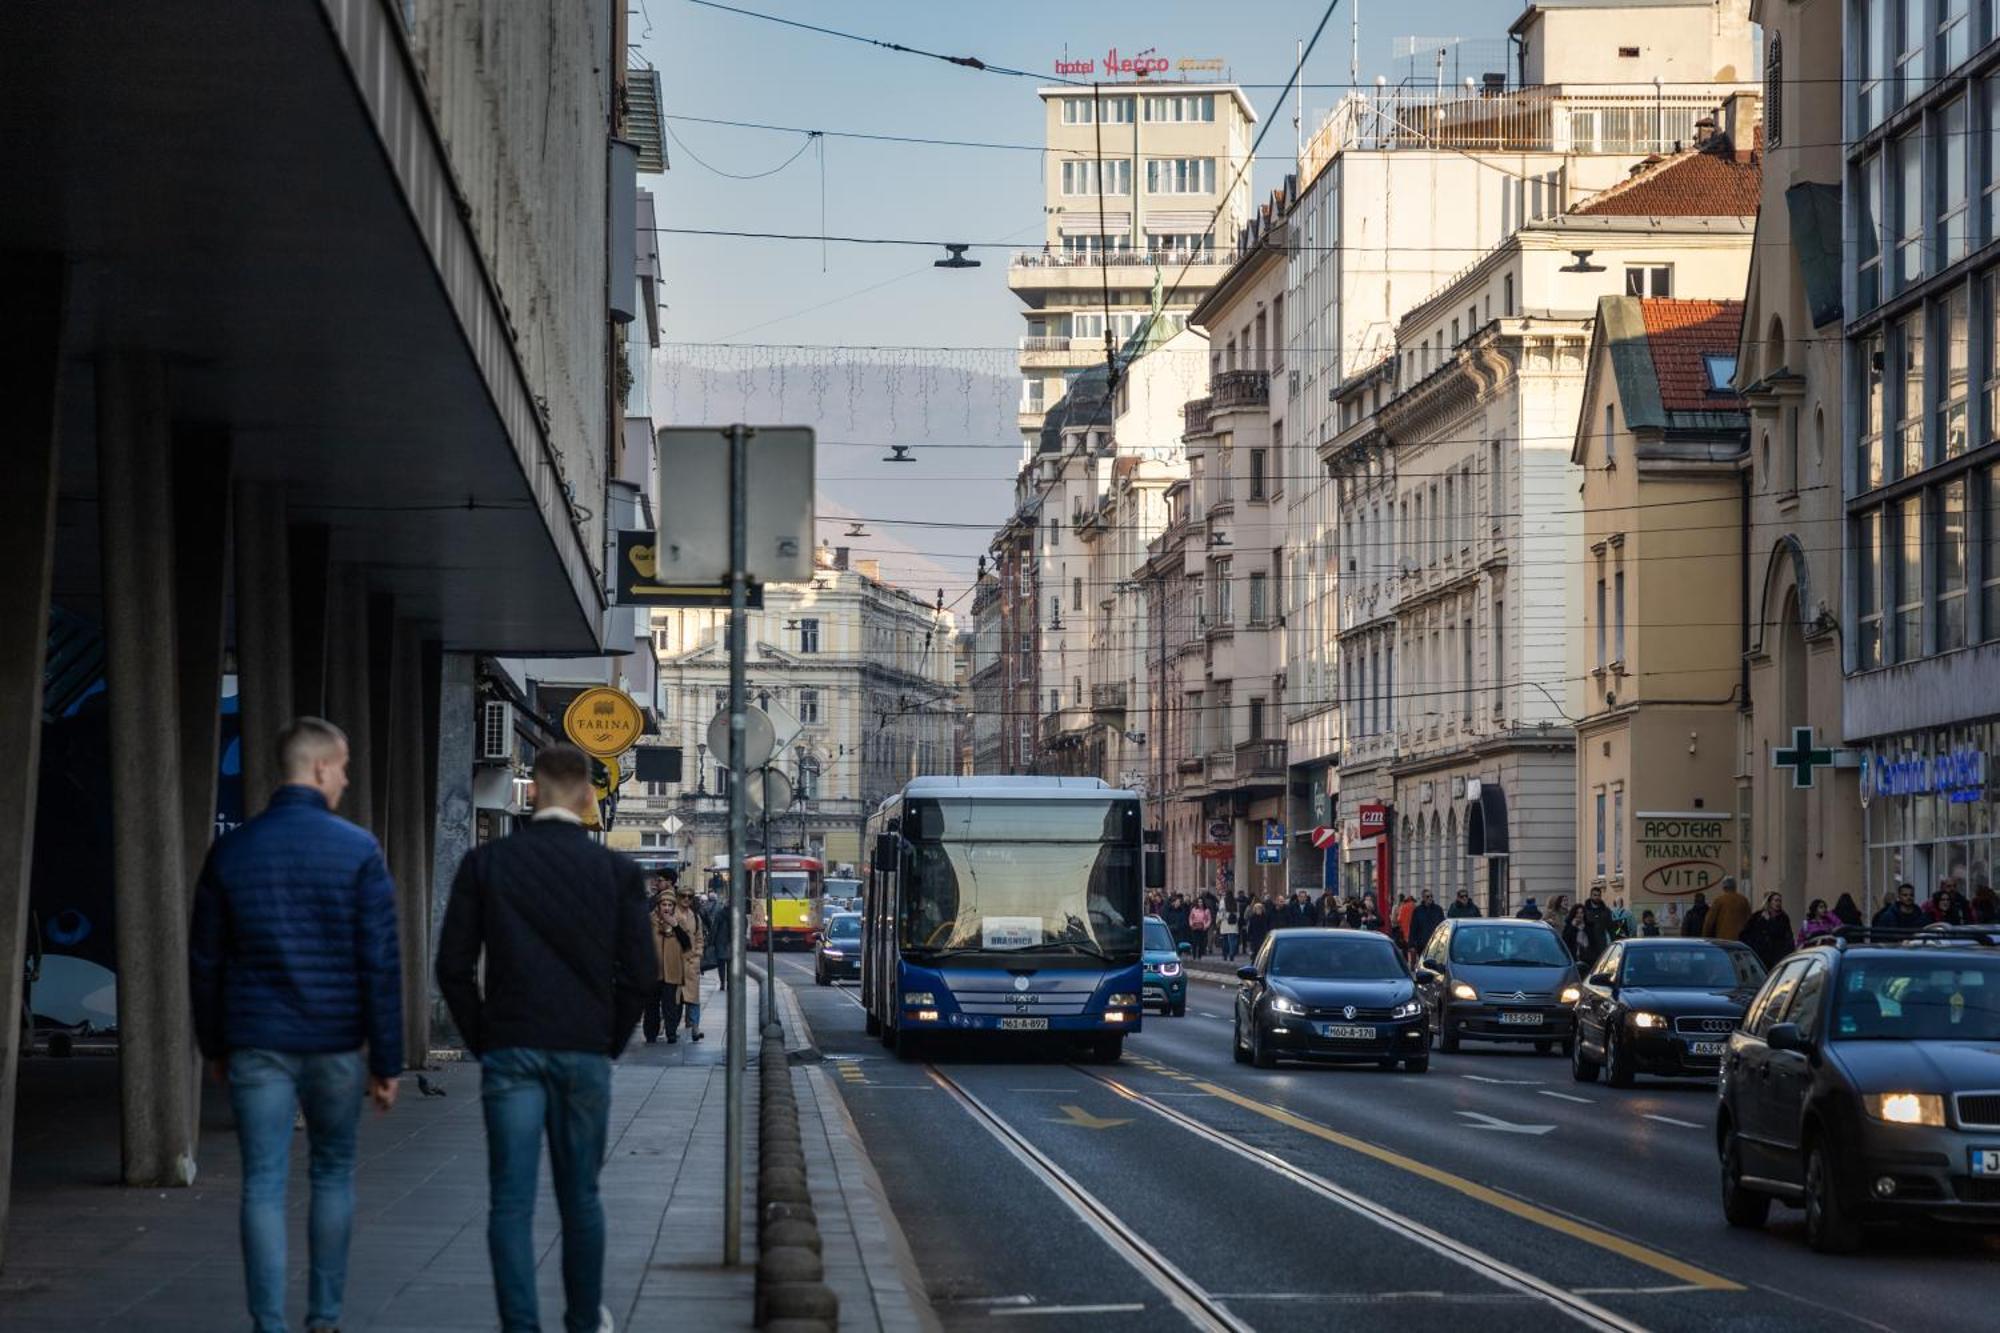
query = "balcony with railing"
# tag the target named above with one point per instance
(1194, 416)
(1108, 697)
(1260, 761)
(1239, 388)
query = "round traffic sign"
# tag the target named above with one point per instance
(760, 739)
(767, 789)
(603, 722)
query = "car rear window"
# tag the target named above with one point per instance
(1916, 998)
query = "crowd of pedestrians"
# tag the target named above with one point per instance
(550, 953)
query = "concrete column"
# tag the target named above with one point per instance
(201, 586)
(135, 522)
(455, 719)
(310, 568)
(408, 839)
(263, 635)
(347, 690)
(381, 677)
(30, 358)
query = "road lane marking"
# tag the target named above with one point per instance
(1521, 1208)
(1200, 1309)
(1567, 1097)
(1082, 1119)
(1669, 1120)
(1017, 1310)
(1467, 1256)
(1511, 1082)
(1480, 1120)
(1674, 1290)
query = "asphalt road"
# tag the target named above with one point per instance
(1179, 1187)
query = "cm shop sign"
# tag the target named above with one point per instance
(1679, 853)
(603, 722)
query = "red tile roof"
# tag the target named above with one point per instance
(1712, 180)
(1678, 335)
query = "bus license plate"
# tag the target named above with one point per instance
(1522, 1020)
(1707, 1048)
(1985, 1161)
(1024, 1024)
(1345, 1032)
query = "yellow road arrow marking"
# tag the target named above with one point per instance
(1082, 1119)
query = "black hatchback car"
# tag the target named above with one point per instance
(1329, 995)
(1864, 1086)
(837, 948)
(1662, 1006)
(1498, 979)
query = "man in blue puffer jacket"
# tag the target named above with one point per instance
(294, 968)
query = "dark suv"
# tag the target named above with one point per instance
(1864, 1086)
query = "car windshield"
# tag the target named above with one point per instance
(1008, 876)
(843, 928)
(1702, 966)
(1508, 946)
(1334, 959)
(1913, 998)
(1158, 938)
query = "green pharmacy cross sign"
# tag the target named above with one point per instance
(1802, 757)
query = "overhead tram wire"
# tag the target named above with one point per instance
(964, 62)
(812, 136)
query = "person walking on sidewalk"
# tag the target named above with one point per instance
(1199, 920)
(569, 962)
(680, 938)
(294, 968)
(1228, 928)
(659, 1006)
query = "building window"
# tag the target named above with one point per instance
(1174, 110)
(1954, 219)
(1603, 593)
(1618, 615)
(1258, 481)
(1956, 347)
(1260, 609)
(1991, 110)
(1989, 566)
(1950, 543)
(1868, 237)
(1507, 294)
(1618, 828)
(1610, 432)
(1465, 670)
(1649, 280)
(1499, 665)
(1954, 31)
(1076, 594)
(1908, 516)
(1055, 701)
(1868, 589)
(1597, 799)
(1256, 732)
(1080, 178)
(809, 636)
(809, 707)
(1180, 175)
(1908, 156)
(1868, 463)
(1774, 89)
(1912, 38)
(808, 778)
(1219, 589)
(1909, 453)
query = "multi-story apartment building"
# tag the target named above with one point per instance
(1920, 621)
(987, 680)
(861, 678)
(1172, 577)
(1799, 837)
(1140, 180)
(1371, 236)
(1476, 561)
(1235, 509)
(1659, 445)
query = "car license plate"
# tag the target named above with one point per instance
(1522, 1020)
(1985, 1161)
(1024, 1024)
(1346, 1031)
(1714, 1048)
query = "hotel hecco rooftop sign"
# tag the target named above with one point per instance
(1143, 65)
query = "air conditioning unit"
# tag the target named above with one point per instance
(496, 731)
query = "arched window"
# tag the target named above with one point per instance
(1774, 90)
(808, 778)
(1776, 353)
(1453, 859)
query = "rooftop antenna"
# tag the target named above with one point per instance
(1354, 48)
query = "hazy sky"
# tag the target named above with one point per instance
(734, 304)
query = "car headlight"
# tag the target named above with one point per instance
(1905, 1108)
(1642, 1019)
(913, 999)
(1122, 1000)
(1286, 1005)
(1463, 991)
(1170, 969)
(832, 953)
(1407, 1009)
(1571, 994)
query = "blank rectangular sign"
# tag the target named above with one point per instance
(693, 504)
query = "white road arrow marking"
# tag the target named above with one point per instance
(1480, 1120)
(1669, 1120)
(1564, 1096)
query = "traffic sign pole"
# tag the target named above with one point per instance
(734, 1060)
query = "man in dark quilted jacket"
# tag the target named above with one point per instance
(295, 973)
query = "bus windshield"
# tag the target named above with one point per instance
(1009, 876)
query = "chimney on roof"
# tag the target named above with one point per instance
(1646, 163)
(1741, 114)
(870, 569)
(840, 557)
(1704, 130)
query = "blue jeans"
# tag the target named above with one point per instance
(265, 1089)
(566, 1094)
(693, 1012)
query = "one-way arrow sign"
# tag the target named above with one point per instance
(1480, 1120)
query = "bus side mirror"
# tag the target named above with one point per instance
(885, 853)
(1156, 867)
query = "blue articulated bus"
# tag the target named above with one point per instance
(1001, 907)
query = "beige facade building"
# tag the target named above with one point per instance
(1659, 445)
(861, 679)
(1168, 157)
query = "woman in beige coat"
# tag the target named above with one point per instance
(678, 935)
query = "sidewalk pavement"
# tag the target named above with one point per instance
(83, 1253)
